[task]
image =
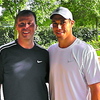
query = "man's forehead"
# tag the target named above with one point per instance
(27, 18)
(24, 19)
(58, 20)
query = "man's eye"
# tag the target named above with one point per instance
(62, 23)
(21, 25)
(29, 23)
(54, 23)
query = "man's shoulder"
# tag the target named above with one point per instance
(37, 46)
(8, 45)
(82, 46)
(53, 46)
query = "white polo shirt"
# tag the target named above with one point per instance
(72, 69)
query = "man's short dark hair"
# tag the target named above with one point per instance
(24, 13)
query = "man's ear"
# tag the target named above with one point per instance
(15, 27)
(36, 27)
(72, 22)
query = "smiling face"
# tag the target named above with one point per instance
(26, 26)
(62, 27)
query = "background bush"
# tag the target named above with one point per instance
(45, 37)
(85, 34)
(6, 35)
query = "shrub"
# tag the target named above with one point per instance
(6, 35)
(95, 44)
(84, 33)
(45, 37)
(98, 53)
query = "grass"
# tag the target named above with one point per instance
(98, 53)
(96, 45)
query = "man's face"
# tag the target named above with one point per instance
(26, 27)
(62, 27)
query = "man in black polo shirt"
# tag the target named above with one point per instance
(24, 66)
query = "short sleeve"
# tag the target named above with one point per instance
(91, 67)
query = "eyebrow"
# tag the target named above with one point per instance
(58, 20)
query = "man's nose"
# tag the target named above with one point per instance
(27, 25)
(59, 26)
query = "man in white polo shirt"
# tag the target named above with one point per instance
(74, 66)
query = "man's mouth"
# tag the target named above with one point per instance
(25, 32)
(59, 32)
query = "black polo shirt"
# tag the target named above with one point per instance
(24, 72)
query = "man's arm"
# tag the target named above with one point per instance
(95, 91)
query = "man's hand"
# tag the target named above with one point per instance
(95, 91)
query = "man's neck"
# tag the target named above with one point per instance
(66, 42)
(26, 44)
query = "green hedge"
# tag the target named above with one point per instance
(98, 53)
